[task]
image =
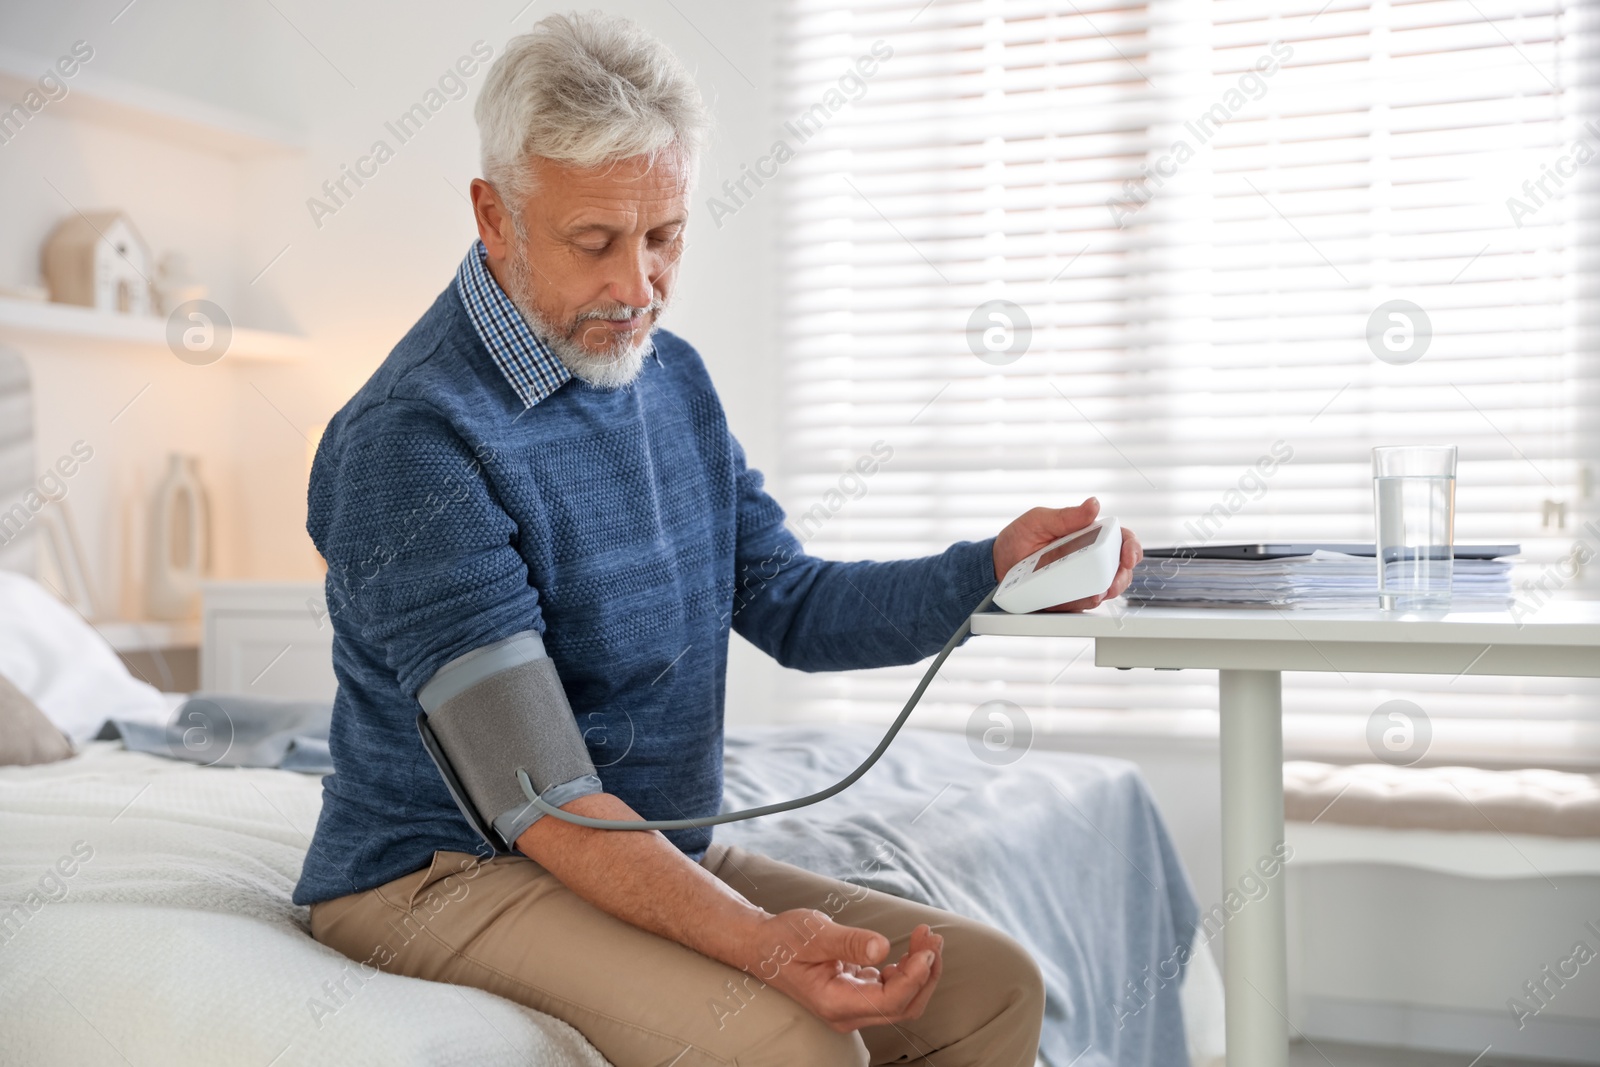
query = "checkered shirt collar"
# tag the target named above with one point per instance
(532, 370)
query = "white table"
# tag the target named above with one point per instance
(1250, 650)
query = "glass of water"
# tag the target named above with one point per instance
(1414, 500)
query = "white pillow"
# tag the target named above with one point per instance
(64, 666)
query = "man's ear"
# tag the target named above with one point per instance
(493, 216)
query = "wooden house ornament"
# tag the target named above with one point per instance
(97, 259)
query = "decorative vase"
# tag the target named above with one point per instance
(179, 536)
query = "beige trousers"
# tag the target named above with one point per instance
(509, 926)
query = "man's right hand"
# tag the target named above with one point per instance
(834, 971)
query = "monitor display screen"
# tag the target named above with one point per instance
(1067, 548)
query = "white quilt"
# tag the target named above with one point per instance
(135, 890)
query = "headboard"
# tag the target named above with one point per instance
(17, 472)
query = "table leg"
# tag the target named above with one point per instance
(1256, 971)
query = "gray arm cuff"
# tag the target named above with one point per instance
(499, 708)
(470, 668)
(510, 824)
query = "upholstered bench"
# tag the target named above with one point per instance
(1455, 819)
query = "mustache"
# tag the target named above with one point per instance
(621, 312)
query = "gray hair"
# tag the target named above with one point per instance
(585, 90)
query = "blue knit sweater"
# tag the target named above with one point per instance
(624, 526)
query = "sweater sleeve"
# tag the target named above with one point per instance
(420, 553)
(827, 615)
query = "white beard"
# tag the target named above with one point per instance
(604, 370)
(613, 367)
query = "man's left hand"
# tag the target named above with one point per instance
(1037, 528)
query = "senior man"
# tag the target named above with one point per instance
(539, 529)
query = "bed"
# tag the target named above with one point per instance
(145, 912)
(172, 939)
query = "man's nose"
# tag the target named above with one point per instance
(634, 284)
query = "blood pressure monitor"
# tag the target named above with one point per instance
(1073, 567)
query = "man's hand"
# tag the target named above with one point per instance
(1037, 528)
(831, 970)
(834, 971)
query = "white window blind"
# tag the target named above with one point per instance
(1199, 208)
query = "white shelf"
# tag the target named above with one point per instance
(144, 635)
(39, 320)
(136, 108)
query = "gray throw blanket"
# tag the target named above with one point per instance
(226, 730)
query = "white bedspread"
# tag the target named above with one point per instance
(185, 893)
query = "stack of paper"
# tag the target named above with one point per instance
(1320, 580)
